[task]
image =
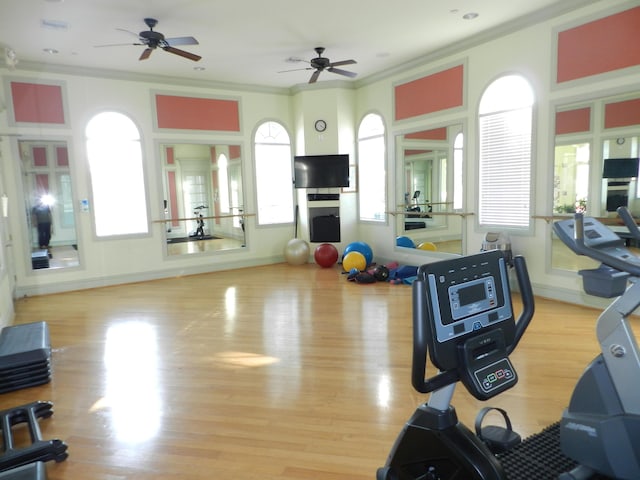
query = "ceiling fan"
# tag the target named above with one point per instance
(321, 63)
(152, 40)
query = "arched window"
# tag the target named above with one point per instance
(223, 183)
(458, 174)
(274, 176)
(372, 171)
(117, 177)
(506, 119)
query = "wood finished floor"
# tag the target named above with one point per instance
(278, 372)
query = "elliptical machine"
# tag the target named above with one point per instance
(463, 320)
(600, 429)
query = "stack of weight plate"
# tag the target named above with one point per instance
(25, 356)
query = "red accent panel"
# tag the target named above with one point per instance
(432, 93)
(39, 156)
(416, 152)
(169, 155)
(573, 121)
(604, 45)
(190, 113)
(622, 114)
(37, 103)
(213, 155)
(42, 183)
(62, 156)
(234, 151)
(173, 198)
(435, 134)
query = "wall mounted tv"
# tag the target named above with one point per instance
(620, 168)
(321, 171)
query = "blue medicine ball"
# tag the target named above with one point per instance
(362, 248)
(405, 242)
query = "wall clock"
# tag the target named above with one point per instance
(320, 125)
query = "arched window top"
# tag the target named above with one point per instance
(107, 125)
(222, 161)
(458, 141)
(371, 126)
(272, 133)
(509, 92)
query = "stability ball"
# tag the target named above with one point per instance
(325, 255)
(428, 246)
(296, 252)
(405, 242)
(354, 260)
(361, 247)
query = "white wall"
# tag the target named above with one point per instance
(528, 51)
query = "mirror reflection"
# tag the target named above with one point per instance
(595, 167)
(432, 163)
(49, 208)
(203, 197)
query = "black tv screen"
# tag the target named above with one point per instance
(620, 168)
(321, 171)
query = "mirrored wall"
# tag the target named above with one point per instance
(428, 214)
(595, 167)
(203, 198)
(49, 206)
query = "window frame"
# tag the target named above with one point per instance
(143, 175)
(527, 227)
(254, 145)
(363, 185)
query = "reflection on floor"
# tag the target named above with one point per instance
(62, 256)
(199, 246)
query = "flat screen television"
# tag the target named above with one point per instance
(321, 171)
(620, 168)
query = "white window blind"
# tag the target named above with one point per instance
(505, 168)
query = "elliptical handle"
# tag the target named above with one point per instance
(420, 345)
(583, 249)
(629, 222)
(528, 301)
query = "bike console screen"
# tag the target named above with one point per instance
(465, 295)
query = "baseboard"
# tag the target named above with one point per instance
(85, 284)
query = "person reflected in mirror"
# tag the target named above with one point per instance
(43, 220)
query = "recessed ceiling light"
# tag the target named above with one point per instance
(50, 50)
(470, 16)
(199, 69)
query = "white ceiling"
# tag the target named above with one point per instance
(249, 42)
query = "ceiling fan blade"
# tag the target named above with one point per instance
(129, 32)
(145, 54)
(182, 53)
(116, 45)
(342, 72)
(314, 76)
(342, 62)
(295, 70)
(181, 41)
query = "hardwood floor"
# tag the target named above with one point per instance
(278, 372)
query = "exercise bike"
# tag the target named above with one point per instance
(462, 319)
(199, 231)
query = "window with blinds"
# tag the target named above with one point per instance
(504, 190)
